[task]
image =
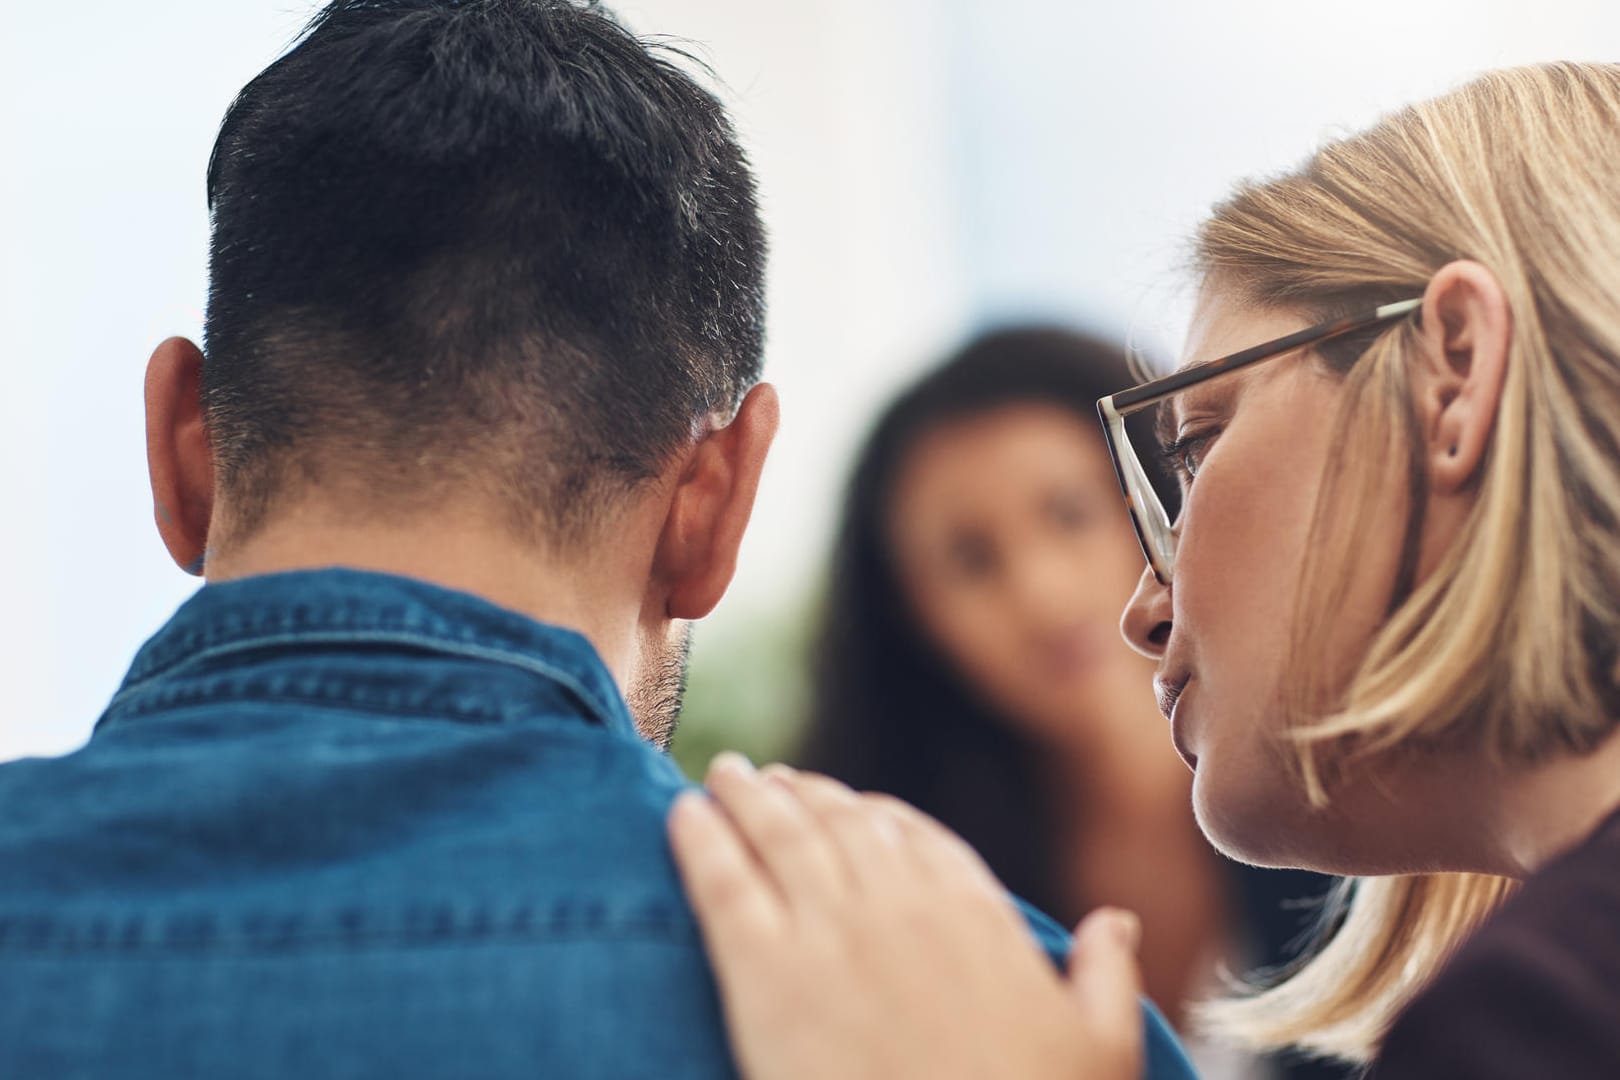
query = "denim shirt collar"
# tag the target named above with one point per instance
(342, 607)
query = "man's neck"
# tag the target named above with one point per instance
(586, 593)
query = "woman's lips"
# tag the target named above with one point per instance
(1178, 740)
(1171, 694)
(1168, 691)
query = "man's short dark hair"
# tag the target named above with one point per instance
(495, 245)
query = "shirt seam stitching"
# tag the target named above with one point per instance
(569, 682)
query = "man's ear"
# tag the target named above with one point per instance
(1457, 384)
(178, 455)
(710, 507)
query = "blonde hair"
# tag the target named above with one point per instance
(1509, 644)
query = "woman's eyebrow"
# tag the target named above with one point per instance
(1165, 424)
(1218, 395)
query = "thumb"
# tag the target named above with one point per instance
(1105, 980)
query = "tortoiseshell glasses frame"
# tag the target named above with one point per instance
(1154, 529)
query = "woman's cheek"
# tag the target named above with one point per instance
(967, 630)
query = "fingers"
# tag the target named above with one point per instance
(1105, 980)
(731, 896)
(781, 834)
(886, 844)
(863, 836)
(855, 936)
(947, 856)
(817, 839)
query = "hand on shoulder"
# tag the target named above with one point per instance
(853, 936)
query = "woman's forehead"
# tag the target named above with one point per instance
(1221, 326)
(1224, 323)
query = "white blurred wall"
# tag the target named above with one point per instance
(928, 166)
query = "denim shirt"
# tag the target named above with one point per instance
(342, 824)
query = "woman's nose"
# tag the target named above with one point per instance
(1146, 622)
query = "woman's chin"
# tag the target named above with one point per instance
(1279, 830)
(1252, 824)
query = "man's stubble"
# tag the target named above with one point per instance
(660, 688)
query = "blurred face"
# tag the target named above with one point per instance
(1257, 445)
(1016, 552)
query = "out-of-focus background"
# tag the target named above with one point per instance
(929, 167)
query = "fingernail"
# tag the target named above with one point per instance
(1126, 928)
(687, 804)
(732, 762)
(778, 772)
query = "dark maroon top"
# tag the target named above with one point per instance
(1536, 992)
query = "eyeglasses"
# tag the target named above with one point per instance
(1154, 529)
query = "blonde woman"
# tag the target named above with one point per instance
(1387, 627)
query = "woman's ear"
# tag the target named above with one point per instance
(178, 455)
(1466, 334)
(710, 507)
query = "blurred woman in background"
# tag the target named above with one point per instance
(970, 662)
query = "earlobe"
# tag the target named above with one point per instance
(179, 457)
(1467, 334)
(711, 506)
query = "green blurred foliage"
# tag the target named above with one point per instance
(747, 689)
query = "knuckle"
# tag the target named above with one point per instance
(852, 817)
(825, 786)
(778, 772)
(722, 886)
(884, 804)
(782, 825)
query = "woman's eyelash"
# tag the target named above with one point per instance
(1182, 453)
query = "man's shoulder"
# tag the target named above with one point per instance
(289, 813)
(509, 890)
